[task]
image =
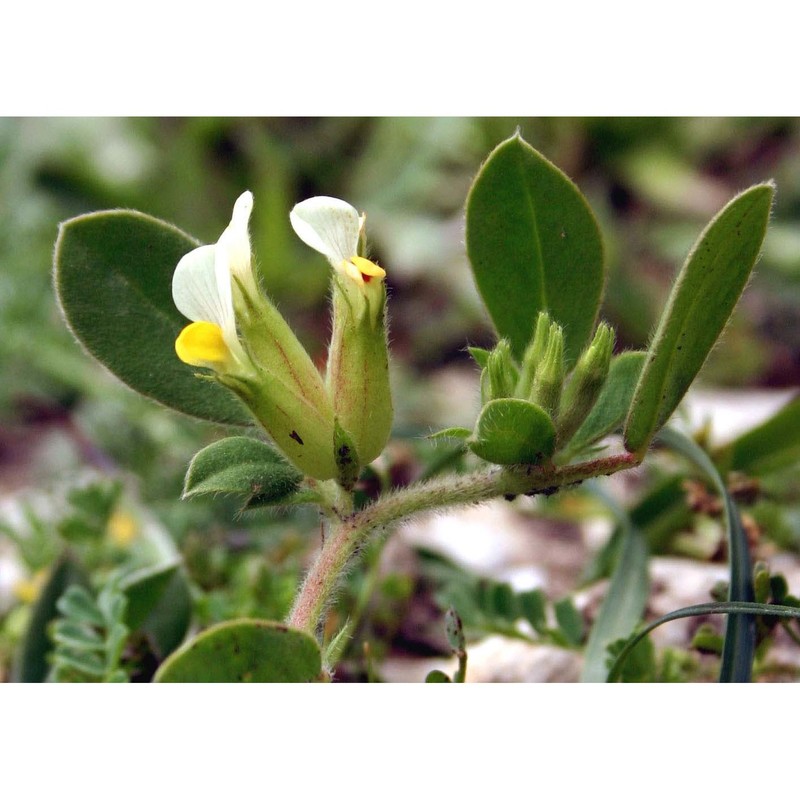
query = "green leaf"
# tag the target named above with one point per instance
(500, 601)
(700, 304)
(78, 604)
(144, 589)
(534, 246)
(511, 431)
(623, 605)
(245, 650)
(77, 637)
(167, 624)
(570, 621)
(533, 605)
(640, 664)
(480, 355)
(334, 650)
(242, 465)
(699, 610)
(113, 277)
(437, 676)
(88, 663)
(613, 404)
(772, 446)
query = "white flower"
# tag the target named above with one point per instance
(334, 228)
(202, 291)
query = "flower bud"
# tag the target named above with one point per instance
(584, 385)
(357, 378)
(549, 377)
(502, 373)
(358, 365)
(534, 353)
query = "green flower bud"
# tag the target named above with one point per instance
(534, 353)
(502, 373)
(357, 379)
(584, 384)
(549, 376)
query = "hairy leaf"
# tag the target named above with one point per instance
(113, 277)
(534, 246)
(245, 650)
(511, 431)
(700, 304)
(241, 465)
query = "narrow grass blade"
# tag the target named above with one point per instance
(624, 603)
(739, 649)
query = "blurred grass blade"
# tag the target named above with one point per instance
(113, 277)
(700, 304)
(739, 649)
(701, 609)
(534, 246)
(772, 446)
(625, 600)
(32, 665)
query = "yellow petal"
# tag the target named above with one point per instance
(201, 344)
(367, 268)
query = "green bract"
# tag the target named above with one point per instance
(244, 466)
(511, 431)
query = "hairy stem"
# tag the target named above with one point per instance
(347, 535)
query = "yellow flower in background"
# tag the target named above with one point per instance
(122, 528)
(28, 589)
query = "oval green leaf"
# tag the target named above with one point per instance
(241, 465)
(534, 245)
(113, 278)
(244, 651)
(612, 406)
(700, 304)
(511, 431)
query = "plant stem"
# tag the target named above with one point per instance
(348, 534)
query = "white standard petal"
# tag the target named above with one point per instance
(331, 226)
(194, 287)
(233, 247)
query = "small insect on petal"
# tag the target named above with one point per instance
(201, 344)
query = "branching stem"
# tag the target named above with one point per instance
(350, 533)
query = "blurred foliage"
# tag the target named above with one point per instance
(80, 454)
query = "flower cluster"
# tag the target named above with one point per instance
(330, 425)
